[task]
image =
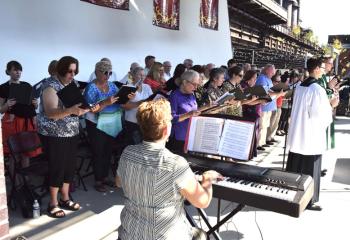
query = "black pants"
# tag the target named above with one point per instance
(309, 165)
(283, 123)
(101, 146)
(133, 133)
(60, 152)
(176, 146)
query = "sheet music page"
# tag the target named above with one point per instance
(206, 136)
(236, 139)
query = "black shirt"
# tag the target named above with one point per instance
(19, 110)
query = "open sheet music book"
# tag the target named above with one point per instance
(219, 136)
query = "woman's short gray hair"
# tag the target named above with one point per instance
(135, 70)
(189, 75)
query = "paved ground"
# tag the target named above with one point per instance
(250, 223)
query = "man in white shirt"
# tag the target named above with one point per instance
(311, 114)
(112, 78)
(167, 70)
(127, 78)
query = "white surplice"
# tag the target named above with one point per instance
(310, 117)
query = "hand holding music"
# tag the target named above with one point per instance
(333, 83)
(194, 113)
(11, 102)
(95, 108)
(110, 100)
(77, 110)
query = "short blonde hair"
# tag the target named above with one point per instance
(153, 117)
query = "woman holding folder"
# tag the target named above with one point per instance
(19, 116)
(59, 128)
(105, 124)
(183, 106)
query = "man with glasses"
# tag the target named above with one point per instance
(311, 114)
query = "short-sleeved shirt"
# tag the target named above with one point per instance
(94, 95)
(130, 115)
(152, 178)
(180, 104)
(19, 110)
(64, 127)
(266, 83)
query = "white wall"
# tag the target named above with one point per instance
(34, 32)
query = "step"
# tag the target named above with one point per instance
(96, 227)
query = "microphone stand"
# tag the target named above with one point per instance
(289, 107)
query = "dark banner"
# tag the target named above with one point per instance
(117, 4)
(166, 13)
(209, 14)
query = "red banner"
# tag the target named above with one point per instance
(117, 4)
(209, 14)
(166, 13)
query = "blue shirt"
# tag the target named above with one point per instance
(266, 83)
(94, 95)
(181, 103)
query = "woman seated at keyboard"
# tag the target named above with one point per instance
(156, 182)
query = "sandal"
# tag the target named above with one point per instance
(55, 212)
(69, 205)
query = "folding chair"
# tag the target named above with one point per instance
(20, 144)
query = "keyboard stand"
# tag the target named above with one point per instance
(214, 230)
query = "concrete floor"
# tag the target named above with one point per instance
(249, 224)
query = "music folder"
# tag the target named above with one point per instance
(280, 86)
(123, 93)
(220, 136)
(259, 92)
(23, 93)
(71, 95)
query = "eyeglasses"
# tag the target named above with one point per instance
(195, 85)
(71, 71)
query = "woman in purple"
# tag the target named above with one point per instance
(183, 107)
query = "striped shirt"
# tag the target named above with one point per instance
(152, 178)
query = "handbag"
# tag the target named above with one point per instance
(110, 123)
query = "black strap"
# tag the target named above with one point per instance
(308, 82)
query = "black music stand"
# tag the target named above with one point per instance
(214, 230)
(289, 111)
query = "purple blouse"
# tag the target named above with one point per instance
(181, 103)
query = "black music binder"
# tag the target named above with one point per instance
(22, 92)
(123, 93)
(71, 95)
(280, 86)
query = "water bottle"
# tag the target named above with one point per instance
(36, 209)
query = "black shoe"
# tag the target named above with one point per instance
(265, 145)
(273, 140)
(323, 172)
(314, 207)
(269, 142)
(261, 148)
